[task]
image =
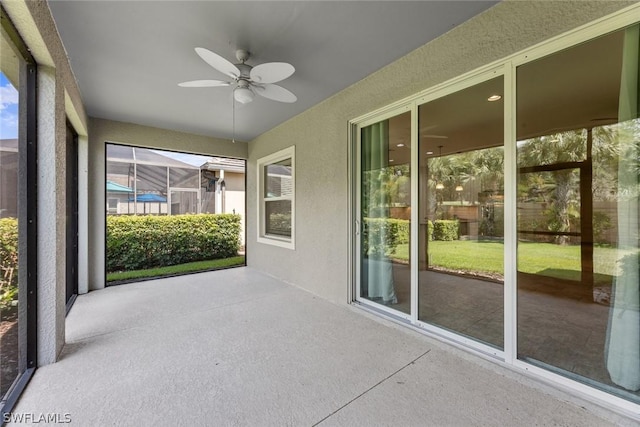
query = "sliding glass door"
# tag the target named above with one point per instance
(578, 154)
(385, 212)
(461, 210)
(512, 227)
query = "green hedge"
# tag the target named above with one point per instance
(402, 228)
(446, 230)
(381, 236)
(429, 231)
(139, 242)
(8, 260)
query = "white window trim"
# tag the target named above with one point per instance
(283, 242)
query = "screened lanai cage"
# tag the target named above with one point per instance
(149, 182)
(143, 181)
(152, 182)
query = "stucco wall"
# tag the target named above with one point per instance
(102, 131)
(235, 197)
(320, 260)
(58, 98)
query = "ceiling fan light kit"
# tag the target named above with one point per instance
(242, 93)
(248, 80)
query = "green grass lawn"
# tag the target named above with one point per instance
(190, 267)
(536, 258)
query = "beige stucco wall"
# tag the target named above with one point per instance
(235, 198)
(320, 260)
(102, 131)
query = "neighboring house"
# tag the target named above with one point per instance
(8, 178)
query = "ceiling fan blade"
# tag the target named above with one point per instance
(271, 72)
(204, 83)
(218, 62)
(275, 92)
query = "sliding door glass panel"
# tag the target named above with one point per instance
(578, 184)
(385, 200)
(12, 360)
(461, 232)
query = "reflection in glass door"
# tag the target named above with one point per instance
(461, 188)
(526, 232)
(578, 184)
(385, 210)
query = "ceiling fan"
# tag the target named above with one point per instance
(248, 80)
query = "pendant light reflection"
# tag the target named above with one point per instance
(439, 185)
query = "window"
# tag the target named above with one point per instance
(276, 204)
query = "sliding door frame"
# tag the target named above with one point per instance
(507, 68)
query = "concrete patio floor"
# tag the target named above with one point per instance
(236, 347)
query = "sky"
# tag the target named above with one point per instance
(8, 109)
(9, 121)
(191, 159)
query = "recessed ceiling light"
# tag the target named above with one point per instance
(493, 98)
(400, 145)
(429, 152)
(391, 160)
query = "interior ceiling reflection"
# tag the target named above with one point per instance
(587, 76)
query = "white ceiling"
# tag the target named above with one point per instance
(129, 56)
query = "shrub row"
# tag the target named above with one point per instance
(383, 235)
(446, 230)
(379, 236)
(138, 242)
(8, 260)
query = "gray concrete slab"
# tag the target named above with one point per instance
(236, 347)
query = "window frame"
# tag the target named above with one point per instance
(262, 164)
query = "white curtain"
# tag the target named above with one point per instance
(623, 335)
(377, 269)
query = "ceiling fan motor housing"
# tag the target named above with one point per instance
(245, 71)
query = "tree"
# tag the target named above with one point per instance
(561, 191)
